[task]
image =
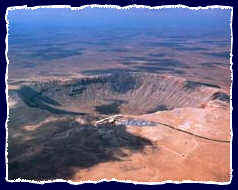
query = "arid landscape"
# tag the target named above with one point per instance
(129, 101)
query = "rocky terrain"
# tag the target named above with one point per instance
(58, 129)
(122, 92)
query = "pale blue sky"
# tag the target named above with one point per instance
(176, 19)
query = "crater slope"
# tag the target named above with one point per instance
(122, 92)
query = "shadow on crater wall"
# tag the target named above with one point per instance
(32, 98)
